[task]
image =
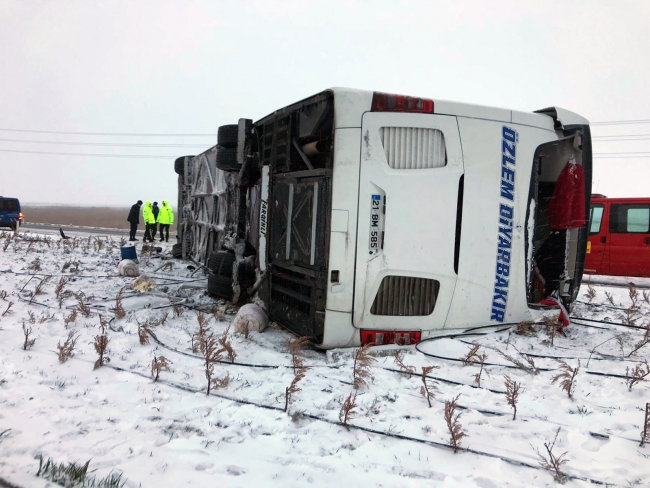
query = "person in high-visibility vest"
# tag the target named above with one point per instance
(149, 221)
(165, 219)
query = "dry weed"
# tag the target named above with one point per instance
(566, 377)
(66, 351)
(642, 342)
(38, 290)
(163, 318)
(226, 345)
(28, 342)
(633, 293)
(361, 368)
(207, 344)
(636, 375)
(158, 365)
(512, 394)
(119, 311)
(526, 328)
(218, 383)
(144, 329)
(176, 309)
(60, 286)
(294, 347)
(45, 317)
(552, 462)
(523, 361)
(82, 307)
(551, 326)
(453, 425)
(8, 310)
(348, 408)
(399, 361)
(299, 373)
(428, 385)
(472, 356)
(591, 293)
(70, 318)
(101, 347)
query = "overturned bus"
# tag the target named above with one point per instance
(358, 217)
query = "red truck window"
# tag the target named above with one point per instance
(629, 219)
(596, 218)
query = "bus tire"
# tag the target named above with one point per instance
(179, 165)
(220, 286)
(227, 136)
(227, 159)
(177, 251)
(220, 263)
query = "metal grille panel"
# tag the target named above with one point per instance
(405, 296)
(413, 147)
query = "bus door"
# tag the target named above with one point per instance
(411, 169)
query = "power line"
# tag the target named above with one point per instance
(621, 122)
(621, 135)
(151, 156)
(126, 134)
(126, 156)
(635, 153)
(101, 143)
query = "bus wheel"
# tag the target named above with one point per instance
(220, 286)
(220, 263)
(179, 165)
(177, 251)
(227, 159)
(227, 136)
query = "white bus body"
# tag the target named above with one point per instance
(384, 218)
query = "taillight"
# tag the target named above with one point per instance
(389, 102)
(20, 216)
(380, 337)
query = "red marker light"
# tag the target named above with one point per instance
(389, 102)
(380, 337)
(20, 216)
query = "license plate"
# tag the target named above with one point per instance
(376, 238)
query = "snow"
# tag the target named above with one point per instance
(171, 434)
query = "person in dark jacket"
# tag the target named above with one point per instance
(154, 229)
(134, 219)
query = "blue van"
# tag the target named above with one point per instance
(10, 212)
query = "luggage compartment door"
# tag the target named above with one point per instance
(410, 182)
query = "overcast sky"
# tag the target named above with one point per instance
(187, 67)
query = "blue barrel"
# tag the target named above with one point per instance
(128, 252)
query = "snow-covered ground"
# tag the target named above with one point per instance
(170, 433)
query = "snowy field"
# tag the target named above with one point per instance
(170, 433)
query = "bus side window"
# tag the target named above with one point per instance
(596, 219)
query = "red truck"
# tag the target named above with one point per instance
(619, 237)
